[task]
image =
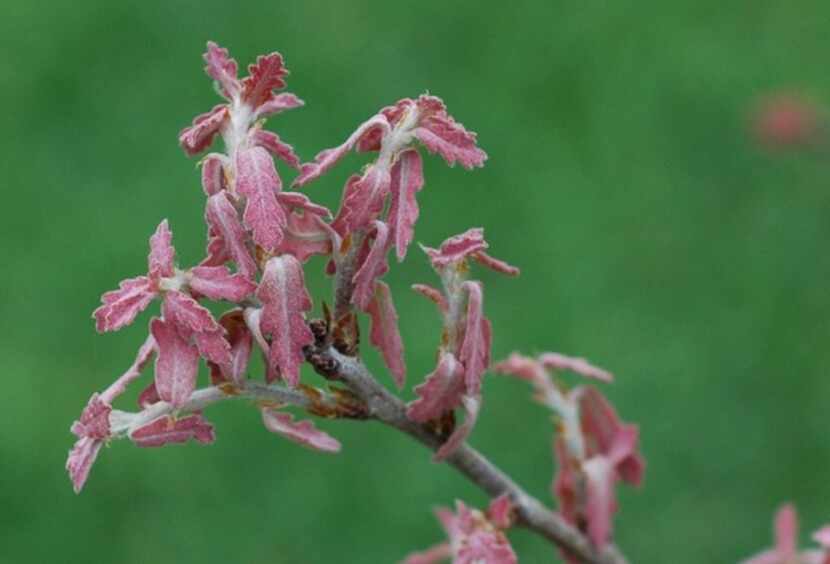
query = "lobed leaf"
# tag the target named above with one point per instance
(168, 430)
(177, 363)
(285, 299)
(228, 236)
(257, 180)
(407, 179)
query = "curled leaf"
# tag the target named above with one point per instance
(168, 430)
(301, 432)
(385, 335)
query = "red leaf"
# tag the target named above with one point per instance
(80, 461)
(278, 103)
(305, 235)
(285, 299)
(194, 321)
(301, 432)
(228, 234)
(213, 174)
(363, 200)
(441, 134)
(384, 334)
(461, 432)
(475, 349)
(264, 76)
(199, 136)
(258, 181)
(457, 248)
(433, 295)
(407, 179)
(222, 68)
(217, 283)
(328, 158)
(168, 430)
(120, 307)
(373, 267)
(271, 142)
(177, 363)
(94, 421)
(241, 341)
(556, 361)
(162, 254)
(441, 391)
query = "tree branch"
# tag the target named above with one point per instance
(389, 409)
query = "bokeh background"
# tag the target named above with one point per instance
(656, 236)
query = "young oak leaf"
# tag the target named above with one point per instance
(194, 322)
(257, 180)
(474, 353)
(177, 363)
(786, 549)
(470, 244)
(363, 200)
(285, 299)
(473, 539)
(222, 68)
(217, 283)
(265, 75)
(407, 179)
(272, 143)
(472, 406)
(199, 136)
(228, 239)
(385, 335)
(440, 392)
(373, 267)
(214, 179)
(168, 430)
(301, 432)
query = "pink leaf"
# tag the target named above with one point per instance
(373, 267)
(148, 396)
(168, 430)
(193, 320)
(217, 283)
(285, 298)
(272, 143)
(303, 203)
(94, 422)
(459, 435)
(441, 391)
(177, 363)
(600, 503)
(474, 539)
(199, 136)
(523, 367)
(501, 512)
(385, 335)
(556, 361)
(329, 157)
(495, 264)
(432, 294)
(257, 180)
(162, 254)
(441, 134)
(222, 68)
(457, 248)
(278, 103)
(406, 180)
(786, 532)
(604, 432)
(241, 341)
(301, 432)
(475, 349)
(223, 220)
(432, 555)
(305, 235)
(213, 174)
(80, 461)
(120, 307)
(264, 76)
(363, 200)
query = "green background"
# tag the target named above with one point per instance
(655, 238)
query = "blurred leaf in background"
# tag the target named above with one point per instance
(654, 236)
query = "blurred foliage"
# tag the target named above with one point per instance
(654, 237)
